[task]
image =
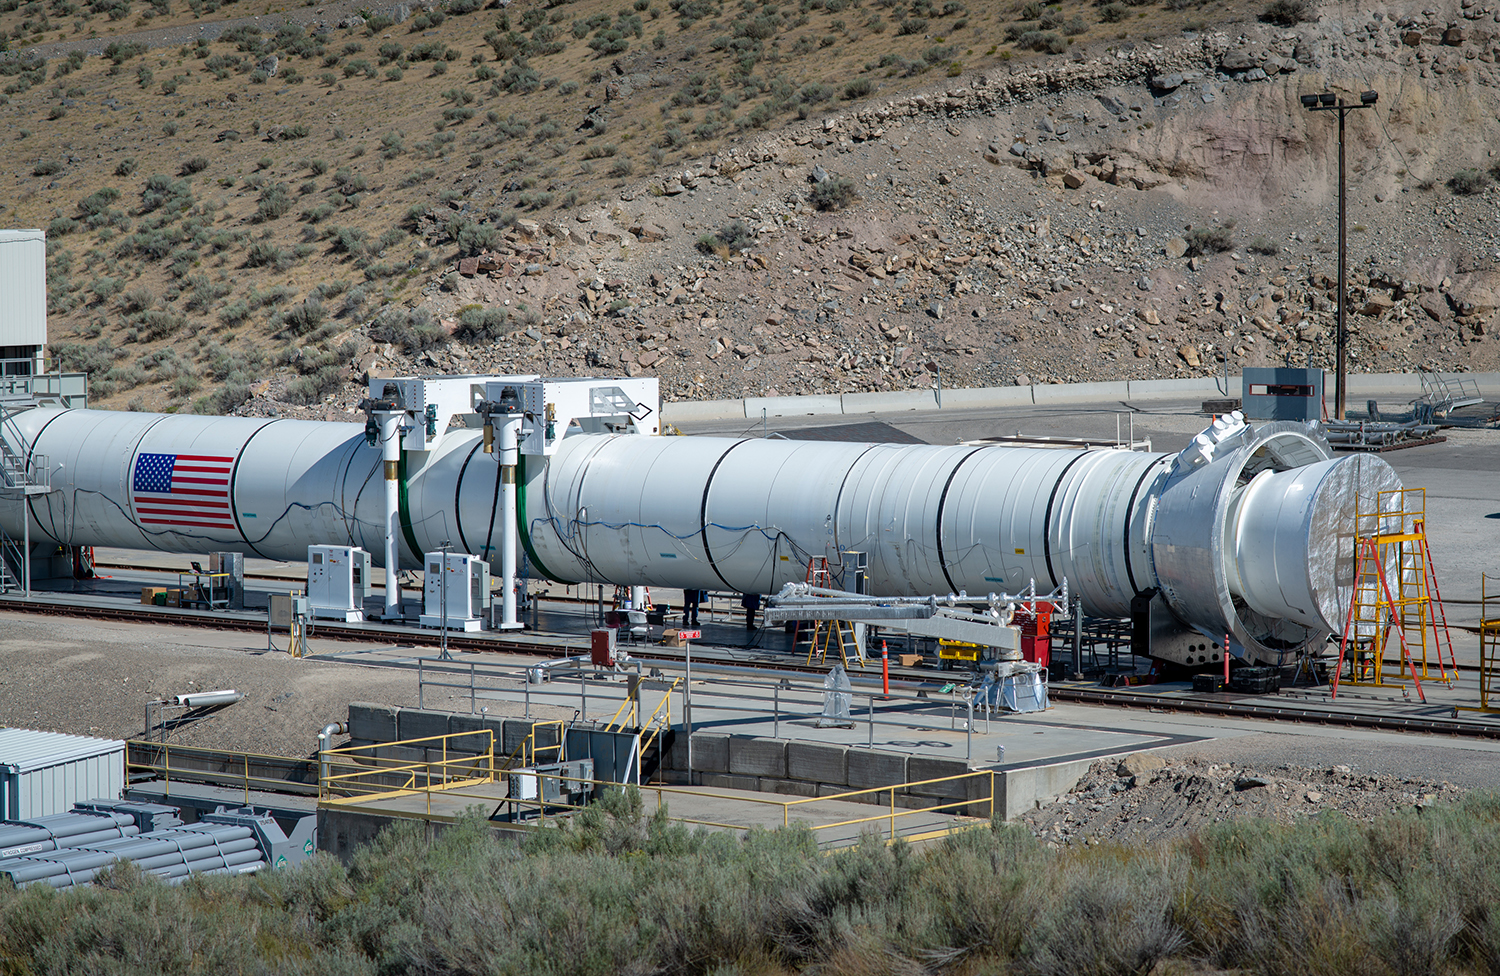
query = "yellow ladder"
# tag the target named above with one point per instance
(825, 635)
(1395, 590)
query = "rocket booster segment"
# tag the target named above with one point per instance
(1248, 532)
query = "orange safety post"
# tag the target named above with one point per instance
(885, 670)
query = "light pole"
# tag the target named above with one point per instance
(1327, 102)
(443, 596)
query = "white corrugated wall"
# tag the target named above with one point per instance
(23, 285)
(43, 773)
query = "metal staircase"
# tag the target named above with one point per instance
(22, 476)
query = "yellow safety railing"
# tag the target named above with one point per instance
(890, 815)
(656, 721)
(216, 766)
(1489, 645)
(529, 748)
(354, 770)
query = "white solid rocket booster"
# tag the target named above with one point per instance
(1248, 532)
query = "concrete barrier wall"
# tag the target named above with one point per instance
(1405, 385)
(792, 406)
(1020, 790)
(780, 766)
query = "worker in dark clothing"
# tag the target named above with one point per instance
(751, 603)
(690, 601)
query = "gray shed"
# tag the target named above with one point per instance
(43, 773)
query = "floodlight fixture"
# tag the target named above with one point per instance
(1368, 98)
(1328, 98)
(1308, 101)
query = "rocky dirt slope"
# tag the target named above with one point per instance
(1152, 200)
(1153, 212)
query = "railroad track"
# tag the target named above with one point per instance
(1199, 705)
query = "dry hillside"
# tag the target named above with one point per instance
(250, 206)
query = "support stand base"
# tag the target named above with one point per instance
(336, 613)
(465, 624)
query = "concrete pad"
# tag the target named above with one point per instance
(401, 754)
(898, 401)
(757, 757)
(868, 768)
(420, 723)
(377, 723)
(514, 732)
(475, 738)
(1488, 382)
(1026, 789)
(1368, 384)
(787, 787)
(686, 411)
(793, 406)
(815, 762)
(1050, 393)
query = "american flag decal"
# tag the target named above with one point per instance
(183, 490)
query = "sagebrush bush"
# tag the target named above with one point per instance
(412, 329)
(1285, 13)
(834, 193)
(479, 323)
(616, 890)
(1468, 182)
(1210, 240)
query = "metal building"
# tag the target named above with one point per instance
(23, 314)
(42, 773)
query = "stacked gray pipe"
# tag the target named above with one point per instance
(63, 830)
(177, 852)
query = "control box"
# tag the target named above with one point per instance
(338, 580)
(456, 591)
(1282, 393)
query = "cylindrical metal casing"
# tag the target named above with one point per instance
(1251, 538)
(749, 514)
(266, 488)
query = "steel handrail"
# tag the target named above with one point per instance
(370, 764)
(651, 720)
(892, 814)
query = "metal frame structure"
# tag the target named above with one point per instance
(1395, 589)
(1489, 644)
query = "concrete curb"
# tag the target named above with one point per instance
(905, 401)
(687, 411)
(793, 406)
(1081, 391)
(898, 401)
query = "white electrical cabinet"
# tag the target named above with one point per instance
(338, 580)
(461, 583)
